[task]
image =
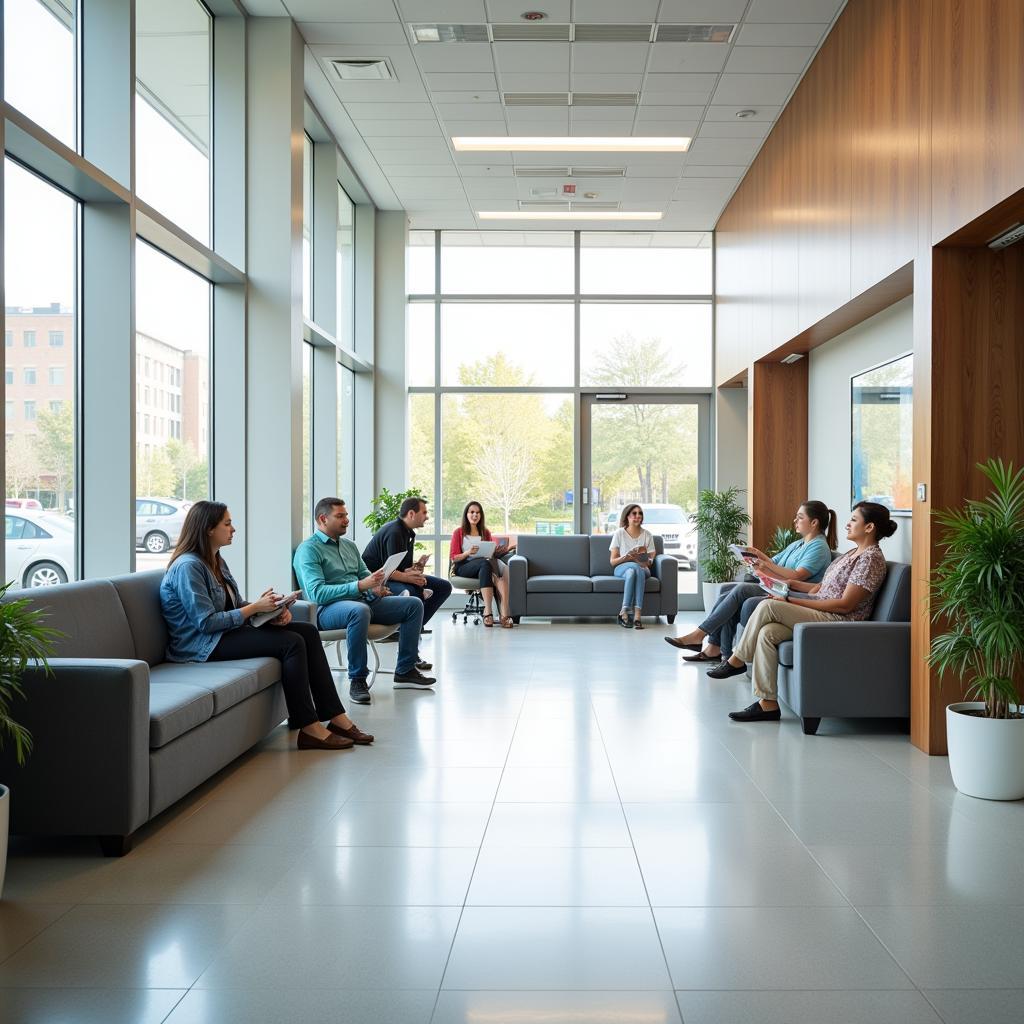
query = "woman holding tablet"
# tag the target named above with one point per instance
(632, 550)
(467, 563)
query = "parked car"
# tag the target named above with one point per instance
(40, 548)
(673, 525)
(158, 521)
(23, 503)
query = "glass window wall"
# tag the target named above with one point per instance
(507, 262)
(346, 268)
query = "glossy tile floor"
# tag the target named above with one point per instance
(568, 830)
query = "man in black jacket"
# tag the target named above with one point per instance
(400, 536)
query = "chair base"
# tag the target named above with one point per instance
(474, 607)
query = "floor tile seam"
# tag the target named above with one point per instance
(68, 908)
(167, 1016)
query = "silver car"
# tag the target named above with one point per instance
(158, 521)
(40, 547)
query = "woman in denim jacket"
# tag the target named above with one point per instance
(208, 620)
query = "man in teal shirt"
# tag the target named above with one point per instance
(332, 573)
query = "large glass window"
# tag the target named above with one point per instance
(172, 111)
(419, 337)
(39, 63)
(307, 433)
(307, 227)
(346, 434)
(645, 263)
(346, 268)
(419, 263)
(41, 231)
(172, 414)
(507, 262)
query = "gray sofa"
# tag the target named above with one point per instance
(120, 734)
(852, 669)
(572, 575)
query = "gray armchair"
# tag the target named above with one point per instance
(852, 669)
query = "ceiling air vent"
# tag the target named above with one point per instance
(450, 33)
(375, 69)
(535, 99)
(593, 206)
(541, 172)
(613, 33)
(598, 172)
(605, 99)
(531, 32)
(694, 33)
(542, 204)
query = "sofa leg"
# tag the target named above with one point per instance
(671, 619)
(516, 618)
(116, 846)
(810, 725)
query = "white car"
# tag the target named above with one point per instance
(673, 525)
(40, 548)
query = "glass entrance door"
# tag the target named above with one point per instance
(652, 449)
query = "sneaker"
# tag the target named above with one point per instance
(413, 680)
(358, 691)
(424, 666)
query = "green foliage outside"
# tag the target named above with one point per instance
(720, 521)
(978, 592)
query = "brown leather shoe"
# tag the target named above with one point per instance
(332, 742)
(355, 734)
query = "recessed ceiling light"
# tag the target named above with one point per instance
(745, 113)
(569, 214)
(533, 15)
(569, 144)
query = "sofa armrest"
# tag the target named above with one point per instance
(304, 611)
(666, 569)
(851, 669)
(518, 570)
(88, 772)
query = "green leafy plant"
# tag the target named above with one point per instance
(978, 592)
(720, 521)
(386, 505)
(23, 640)
(781, 539)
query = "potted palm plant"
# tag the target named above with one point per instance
(720, 521)
(386, 505)
(978, 594)
(23, 639)
(781, 539)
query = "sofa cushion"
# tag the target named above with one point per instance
(140, 597)
(601, 556)
(559, 585)
(893, 601)
(786, 653)
(556, 556)
(229, 682)
(615, 585)
(176, 708)
(90, 616)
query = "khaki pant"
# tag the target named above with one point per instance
(772, 624)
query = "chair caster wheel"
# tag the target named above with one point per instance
(476, 622)
(455, 617)
(465, 619)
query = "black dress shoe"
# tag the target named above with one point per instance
(725, 670)
(676, 642)
(755, 713)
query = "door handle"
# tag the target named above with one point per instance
(586, 495)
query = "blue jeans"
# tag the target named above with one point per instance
(635, 577)
(355, 618)
(721, 623)
(442, 590)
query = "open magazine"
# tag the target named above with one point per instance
(286, 601)
(780, 588)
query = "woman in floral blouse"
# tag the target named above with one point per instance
(846, 593)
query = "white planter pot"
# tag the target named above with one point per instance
(711, 594)
(986, 755)
(5, 809)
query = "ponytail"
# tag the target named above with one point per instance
(878, 516)
(818, 512)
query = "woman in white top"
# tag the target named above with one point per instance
(632, 550)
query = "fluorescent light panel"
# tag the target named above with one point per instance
(569, 215)
(569, 144)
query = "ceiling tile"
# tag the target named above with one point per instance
(421, 170)
(454, 57)
(376, 92)
(686, 57)
(734, 171)
(476, 127)
(466, 97)
(540, 115)
(658, 170)
(448, 11)
(722, 151)
(345, 32)
(614, 12)
(374, 128)
(793, 10)
(436, 188)
(486, 171)
(659, 189)
(381, 145)
(440, 81)
(425, 220)
(515, 81)
(599, 129)
(621, 58)
(604, 114)
(769, 58)
(556, 124)
(529, 58)
(507, 12)
(696, 188)
(606, 83)
(482, 159)
(330, 10)
(699, 12)
(754, 89)
(780, 35)
(392, 111)
(441, 205)
(677, 89)
(471, 111)
(687, 128)
(491, 188)
(747, 129)
(666, 113)
(762, 112)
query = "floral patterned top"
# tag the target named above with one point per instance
(865, 569)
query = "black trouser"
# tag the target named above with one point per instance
(309, 689)
(476, 569)
(441, 591)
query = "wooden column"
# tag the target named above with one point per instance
(777, 445)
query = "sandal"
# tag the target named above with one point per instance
(624, 621)
(506, 622)
(637, 624)
(489, 624)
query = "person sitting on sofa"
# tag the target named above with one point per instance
(632, 551)
(465, 563)
(803, 561)
(846, 592)
(350, 597)
(208, 620)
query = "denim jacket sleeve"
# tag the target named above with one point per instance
(203, 599)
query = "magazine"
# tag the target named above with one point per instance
(286, 601)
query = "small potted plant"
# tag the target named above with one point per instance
(978, 595)
(23, 639)
(385, 507)
(781, 539)
(720, 521)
